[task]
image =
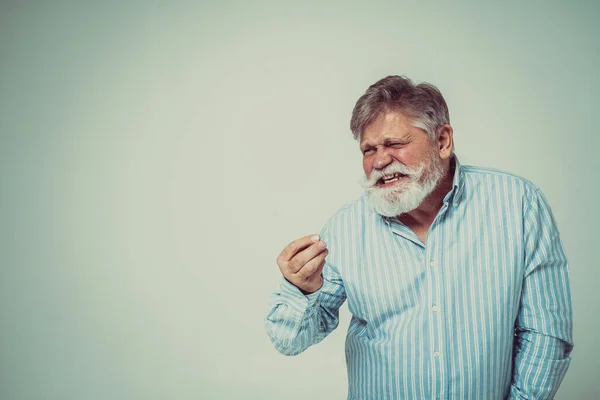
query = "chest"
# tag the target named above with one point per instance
(393, 275)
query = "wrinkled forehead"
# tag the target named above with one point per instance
(392, 124)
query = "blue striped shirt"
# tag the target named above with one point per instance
(482, 310)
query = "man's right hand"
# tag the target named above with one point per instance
(302, 261)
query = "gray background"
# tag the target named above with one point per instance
(156, 159)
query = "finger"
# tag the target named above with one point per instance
(313, 267)
(306, 255)
(296, 246)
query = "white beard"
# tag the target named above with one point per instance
(402, 197)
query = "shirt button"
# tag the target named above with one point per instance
(433, 263)
(437, 354)
(435, 308)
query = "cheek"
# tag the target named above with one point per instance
(403, 155)
(406, 157)
(367, 166)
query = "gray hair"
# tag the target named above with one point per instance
(423, 103)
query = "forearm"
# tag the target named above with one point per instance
(540, 364)
(294, 321)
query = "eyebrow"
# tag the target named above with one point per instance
(387, 141)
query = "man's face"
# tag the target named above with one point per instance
(402, 165)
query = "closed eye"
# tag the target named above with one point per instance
(396, 145)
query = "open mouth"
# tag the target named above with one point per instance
(388, 179)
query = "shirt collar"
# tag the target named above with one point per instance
(458, 183)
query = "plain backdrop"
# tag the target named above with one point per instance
(155, 159)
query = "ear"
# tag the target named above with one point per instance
(445, 141)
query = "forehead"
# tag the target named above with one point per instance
(389, 125)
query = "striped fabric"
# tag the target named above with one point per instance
(482, 310)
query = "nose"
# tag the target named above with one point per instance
(382, 159)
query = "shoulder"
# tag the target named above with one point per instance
(350, 213)
(351, 217)
(491, 179)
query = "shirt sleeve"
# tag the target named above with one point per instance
(543, 329)
(296, 321)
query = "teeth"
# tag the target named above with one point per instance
(392, 177)
(387, 177)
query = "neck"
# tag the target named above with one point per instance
(429, 208)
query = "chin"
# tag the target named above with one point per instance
(393, 201)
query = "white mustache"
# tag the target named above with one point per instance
(393, 168)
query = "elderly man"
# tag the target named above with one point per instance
(455, 275)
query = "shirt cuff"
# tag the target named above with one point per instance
(293, 297)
